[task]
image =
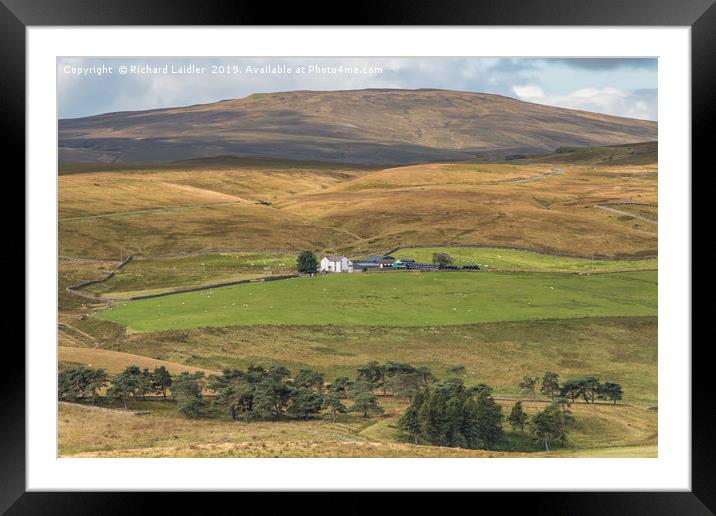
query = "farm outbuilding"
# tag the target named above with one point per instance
(385, 263)
(375, 262)
(335, 263)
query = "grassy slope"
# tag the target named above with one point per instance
(467, 204)
(163, 210)
(638, 154)
(115, 361)
(491, 259)
(199, 229)
(95, 432)
(621, 349)
(100, 192)
(183, 271)
(398, 299)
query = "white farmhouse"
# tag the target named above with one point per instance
(336, 263)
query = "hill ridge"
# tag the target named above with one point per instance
(368, 126)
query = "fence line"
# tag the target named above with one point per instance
(214, 285)
(529, 249)
(75, 289)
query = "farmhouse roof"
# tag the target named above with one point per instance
(334, 258)
(375, 259)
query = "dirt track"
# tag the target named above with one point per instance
(627, 213)
(555, 172)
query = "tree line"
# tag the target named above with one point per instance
(274, 393)
(255, 393)
(79, 383)
(589, 388)
(441, 412)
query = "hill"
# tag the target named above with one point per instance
(636, 154)
(594, 205)
(375, 126)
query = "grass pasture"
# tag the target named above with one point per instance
(492, 259)
(397, 299)
(187, 271)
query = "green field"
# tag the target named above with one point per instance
(493, 259)
(398, 299)
(162, 274)
(182, 271)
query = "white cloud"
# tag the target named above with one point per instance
(608, 100)
(592, 88)
(528, 92)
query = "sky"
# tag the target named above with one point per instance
(615, 86)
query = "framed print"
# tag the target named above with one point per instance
(430, 251)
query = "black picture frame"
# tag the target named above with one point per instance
(700, 15)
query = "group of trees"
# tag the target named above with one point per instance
(447, 413)
(257, 393)
(397, 378)
(549, 426)
(444, 413)
(272, 393)
(588, 388)
(79, 383)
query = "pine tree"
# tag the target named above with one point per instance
(161, 381)
(409, 422)
(333, 405)
(551, 424)
(529, 384)
(550, 384)
(489, 420)
(339, 387)
(126, 384)
(517, 417)
(373, 374)
(610, 391)
(306, 263)
(186, 391)
(144, 383)
(470, 425)
(432, 417)
(366, 403)
(270, 398)
(97, 380)
(309, 379)
(304, 403)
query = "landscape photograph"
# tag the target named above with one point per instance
(357, 257)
